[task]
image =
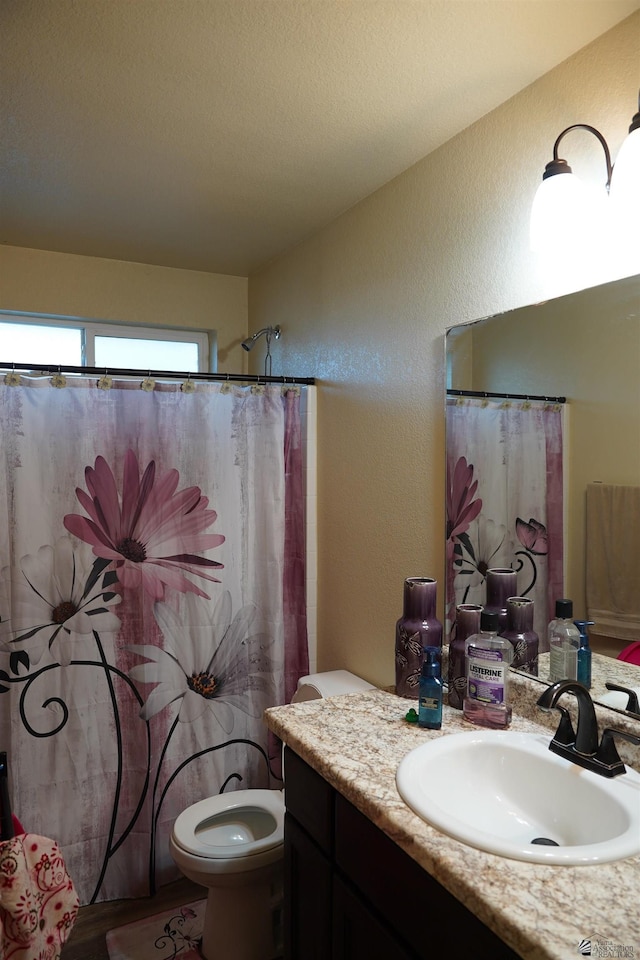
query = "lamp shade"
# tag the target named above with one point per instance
(566, 214)
(624, 192)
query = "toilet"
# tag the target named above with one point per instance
(233, 844)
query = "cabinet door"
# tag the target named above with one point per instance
(409, 899)
(310, 800)
(307, 896)
(358, 933)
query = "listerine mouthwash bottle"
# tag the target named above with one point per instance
(488, 658)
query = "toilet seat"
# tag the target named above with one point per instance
(245, 823)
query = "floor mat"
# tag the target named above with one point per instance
(173, 933)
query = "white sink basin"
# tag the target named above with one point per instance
(500, 790)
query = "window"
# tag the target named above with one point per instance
(54, 340)
(37, 343)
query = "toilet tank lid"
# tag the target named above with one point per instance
(316, 686)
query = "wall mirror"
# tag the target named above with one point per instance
(585, 347)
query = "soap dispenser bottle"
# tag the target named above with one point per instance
(488, 659)
(564, 643)
(584, 653)
(430, 699)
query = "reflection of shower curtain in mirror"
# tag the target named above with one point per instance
(151, 607)
(504, 500)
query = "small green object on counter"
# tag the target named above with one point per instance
(412, 716)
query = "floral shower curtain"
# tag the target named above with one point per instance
(151, 607)
(505, 500)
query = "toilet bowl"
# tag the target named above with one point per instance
(233, 844)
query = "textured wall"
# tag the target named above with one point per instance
(364, 305)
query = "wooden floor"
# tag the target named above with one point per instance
(87, 940)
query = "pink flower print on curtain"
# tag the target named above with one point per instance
(461, 509)
(153, 534)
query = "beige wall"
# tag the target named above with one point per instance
(38, 281)
(364, 305)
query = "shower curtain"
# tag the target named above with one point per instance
(505, 500)
(151, 607)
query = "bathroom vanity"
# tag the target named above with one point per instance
(366, 877)
(351, 893)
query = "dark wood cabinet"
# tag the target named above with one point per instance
(308, 885)
(352, 894)
(358, 934)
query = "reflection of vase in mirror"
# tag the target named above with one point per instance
(521, 634)
(467, 623)
(501, 583)
(417, 628)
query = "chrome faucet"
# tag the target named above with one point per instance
(582, 746)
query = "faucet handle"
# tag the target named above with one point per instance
(633, 705)
(608, 752)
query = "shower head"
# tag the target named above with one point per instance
(250, 342)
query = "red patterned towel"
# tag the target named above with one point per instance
(38, 902)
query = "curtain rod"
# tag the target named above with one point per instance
(155, 374)
(503, 396)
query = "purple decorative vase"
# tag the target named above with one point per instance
(417, 628)
(467, 623)
(501, 582)
(521, 634)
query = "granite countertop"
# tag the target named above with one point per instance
(355, 741)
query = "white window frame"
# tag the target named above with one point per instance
(206, 340)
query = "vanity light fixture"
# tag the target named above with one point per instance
(566, 205)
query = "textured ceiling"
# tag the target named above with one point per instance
(215, 134)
